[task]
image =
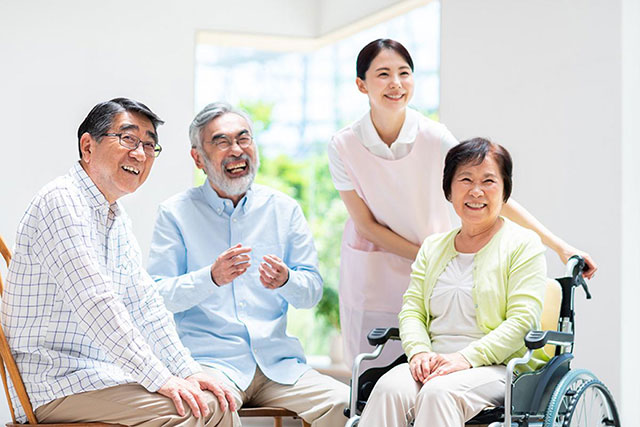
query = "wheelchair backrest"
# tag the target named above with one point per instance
(551, 311)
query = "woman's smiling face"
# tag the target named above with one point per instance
(388, 82)
(477, 192)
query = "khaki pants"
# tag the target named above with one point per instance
(445, 401)
(129, 404)
(318, 399)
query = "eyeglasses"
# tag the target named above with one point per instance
(131, 142)
(223, 142)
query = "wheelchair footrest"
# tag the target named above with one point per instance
(488, 416)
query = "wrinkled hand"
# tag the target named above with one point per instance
(178, 389)
(230, 264)
(448, 363)
(273, 272)
(421, 365)
(207, 382)
(590, 268)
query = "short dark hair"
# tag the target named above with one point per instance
(474, 151)
(370, 51)
(100, 118)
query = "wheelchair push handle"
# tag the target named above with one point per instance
(574, 269)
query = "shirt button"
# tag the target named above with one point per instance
(235, 220)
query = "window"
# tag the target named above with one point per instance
(298, 100)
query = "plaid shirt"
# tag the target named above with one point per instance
(79, 311)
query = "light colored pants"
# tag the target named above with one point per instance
(129, 404)
(444, 401)
(318, 399)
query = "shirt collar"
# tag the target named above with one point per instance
(221, 205)
(407, 134)
(94, 196)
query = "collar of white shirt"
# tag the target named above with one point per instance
(407, 134)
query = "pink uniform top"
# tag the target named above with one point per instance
(406, 196)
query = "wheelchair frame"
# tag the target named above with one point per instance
(552, 396)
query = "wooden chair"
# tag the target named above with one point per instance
(9, 365)
(267, 411)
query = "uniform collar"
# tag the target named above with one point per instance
(407, 134)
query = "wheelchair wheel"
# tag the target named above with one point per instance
(561, 399)
(592, 405)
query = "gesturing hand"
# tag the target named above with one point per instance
(447, 363)
(178, 389)
(230, 264)
(208, 382)
(421, 365)
(273, 272)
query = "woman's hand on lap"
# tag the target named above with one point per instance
(448, 363)
(421, 365)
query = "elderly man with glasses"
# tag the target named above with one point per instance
(229, 257)
(85, 323)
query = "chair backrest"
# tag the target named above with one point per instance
(551, 311)
(9, 363)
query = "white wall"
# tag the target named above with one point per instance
(334, 14)
(630, 348)
(544, 79)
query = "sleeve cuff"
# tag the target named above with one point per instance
(204, 276)
(154, 376)
(192, 367)
(419, 348)
(290, 290)
(472, 357)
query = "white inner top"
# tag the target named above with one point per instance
(370, 139)
(453, 325)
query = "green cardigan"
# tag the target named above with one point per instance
(509, 277)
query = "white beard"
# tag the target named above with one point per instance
(231, 186)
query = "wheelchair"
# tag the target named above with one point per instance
(553, 396)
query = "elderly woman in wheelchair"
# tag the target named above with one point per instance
(475, 292)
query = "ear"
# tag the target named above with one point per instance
(86, 146)
(362, 86)
(195, 155)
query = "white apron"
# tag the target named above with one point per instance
(406, 196)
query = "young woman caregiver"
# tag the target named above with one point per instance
(387, 167)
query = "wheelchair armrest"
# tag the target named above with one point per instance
(379, 336)
(538, 339)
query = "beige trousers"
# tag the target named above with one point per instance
(445, 401)
(129, 404)
(318, 399)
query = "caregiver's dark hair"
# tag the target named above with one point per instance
(474, 151)
(370, 51)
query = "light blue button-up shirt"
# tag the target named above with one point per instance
(237, 326)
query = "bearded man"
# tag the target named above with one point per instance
(229, 257)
